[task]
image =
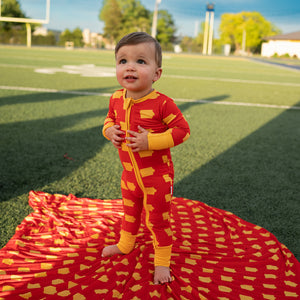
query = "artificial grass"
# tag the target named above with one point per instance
(242, 159)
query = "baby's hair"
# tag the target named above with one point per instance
(136, 38)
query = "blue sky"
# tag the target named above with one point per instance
(84, 13)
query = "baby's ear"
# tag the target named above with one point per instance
(157, 75)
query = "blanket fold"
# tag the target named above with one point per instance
(56, 254)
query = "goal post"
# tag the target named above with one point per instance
(28, 21)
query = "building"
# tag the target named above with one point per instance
(95, 40)
(44, 32)
(41, 31)
(282, 44)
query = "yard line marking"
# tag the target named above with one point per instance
(93, 71)
(18, 66)
(234, 80)
(83, 93)
(237, 103)
(30, 89)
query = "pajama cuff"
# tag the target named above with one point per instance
(160, 141)
(162, 256)
(126, 242)
(107, 125)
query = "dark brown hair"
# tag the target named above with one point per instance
(136, 38)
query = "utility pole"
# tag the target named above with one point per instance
(244, 41)
(196, 29)
(204, 51)
(154, 21)
(208, 30)
(211, 32)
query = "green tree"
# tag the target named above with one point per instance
(135, 17)
(75, 37)
(11, 8)
(189, 44)
(165, 29)
(65, 36)
(112, 16)
(48, 40)
(124, 16)
(252, 25)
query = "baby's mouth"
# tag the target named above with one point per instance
(130, 77)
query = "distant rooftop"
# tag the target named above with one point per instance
(294, 36)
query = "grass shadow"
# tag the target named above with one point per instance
(257, 179)
(48, 96)
(187, 105)
(38, 152)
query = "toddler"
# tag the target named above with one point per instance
(143, 125)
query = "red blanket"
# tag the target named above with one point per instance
(56, 254)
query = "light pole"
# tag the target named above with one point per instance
(244, 41)
(154, 21)
(208, 30)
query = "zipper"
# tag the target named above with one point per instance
(131, 155)
(136, 168)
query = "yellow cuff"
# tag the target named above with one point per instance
(107, 125)
(160, 141)
(126, 242)
(162, 256)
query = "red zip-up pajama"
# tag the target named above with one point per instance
(147, 178)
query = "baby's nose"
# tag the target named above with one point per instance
(130, 66)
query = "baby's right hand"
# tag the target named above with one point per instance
(113, 133)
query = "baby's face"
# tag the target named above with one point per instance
(136, 69)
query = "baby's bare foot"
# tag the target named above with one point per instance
(162, 275)
(110, 251)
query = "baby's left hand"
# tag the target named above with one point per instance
(139, 140)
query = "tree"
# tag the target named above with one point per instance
(75, 37)
(10, 8)
(112, 16)
(124, 16)
(135, 17)
(48, 40)
(165, 29)
(189, 44)
(250, 25)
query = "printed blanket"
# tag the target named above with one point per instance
(56, 254)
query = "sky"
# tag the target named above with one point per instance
(187, 14)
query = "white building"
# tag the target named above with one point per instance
(86, 34)
(41, 31)
(95, 40)
(282, 44)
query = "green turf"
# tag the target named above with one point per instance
(239, 158)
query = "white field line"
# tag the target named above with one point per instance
(18, 66)
(170, 76)
(238, 103)
(234, 80)
(30, 89)
(83, 93)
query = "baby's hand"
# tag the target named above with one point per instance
(113, 133)
(139, 140)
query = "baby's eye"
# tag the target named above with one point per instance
(141, 61)
(123, 61)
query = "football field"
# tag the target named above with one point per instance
(242, 156)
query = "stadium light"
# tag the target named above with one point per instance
(208, 29)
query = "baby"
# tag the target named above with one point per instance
(143, 125)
